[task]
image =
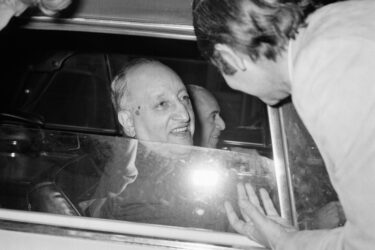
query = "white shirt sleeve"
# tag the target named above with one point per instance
(334, 93)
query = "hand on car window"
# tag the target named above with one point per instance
(263, 225)
(10, 8)
(51, 7)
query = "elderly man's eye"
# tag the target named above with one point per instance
(185, 98)
(215, 116)
(162, 105)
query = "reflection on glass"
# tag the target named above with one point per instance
(124, 179)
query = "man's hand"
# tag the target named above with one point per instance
(51, 7)
(10, 8)
(264, 226)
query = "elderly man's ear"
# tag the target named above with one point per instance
(231, 56)
(125, 118)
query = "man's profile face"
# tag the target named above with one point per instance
(161, 106)
(211, 123)
(263, 78)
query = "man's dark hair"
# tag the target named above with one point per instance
(255, 27)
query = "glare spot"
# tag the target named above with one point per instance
(199, 211)
(205, 178)
(13, 155)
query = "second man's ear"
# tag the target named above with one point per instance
(231, 56)
(126, 120)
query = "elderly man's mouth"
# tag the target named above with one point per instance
(181, 131)
(216, 136)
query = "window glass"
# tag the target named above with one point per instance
(66, 82)
(76, 99)
(245, 116)
(124, 179)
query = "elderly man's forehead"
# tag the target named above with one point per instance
(145, 69)
(152, 76)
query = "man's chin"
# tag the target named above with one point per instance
(181, 141)
(212, 141)
(276, 101)
(270, 102)
(180, 138)
(173, 148)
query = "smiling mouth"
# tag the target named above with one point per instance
(181, 131)
(216, 135)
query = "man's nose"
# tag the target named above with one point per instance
(220, 124)
(181, 112)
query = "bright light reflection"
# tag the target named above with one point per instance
(205, 178)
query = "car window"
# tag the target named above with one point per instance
(66, 153)
(67, 83)
(124, 179)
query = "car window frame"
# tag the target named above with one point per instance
(158, 235)
(151, 233)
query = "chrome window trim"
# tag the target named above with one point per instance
(124, 240)
(15, 240)
(123, 27)
(281, 161)
(245, 144)
(152, 233)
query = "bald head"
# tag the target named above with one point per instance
(207, 110)
(152, 103)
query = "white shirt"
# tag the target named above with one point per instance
(333, 90)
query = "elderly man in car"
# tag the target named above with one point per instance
(152, 103)
(207, 111)
(153, 106)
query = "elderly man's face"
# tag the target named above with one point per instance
(211, 123)
(162, 110)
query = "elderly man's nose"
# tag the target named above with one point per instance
(181, 112)
(220, 122)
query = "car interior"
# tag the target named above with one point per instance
(60, 82)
